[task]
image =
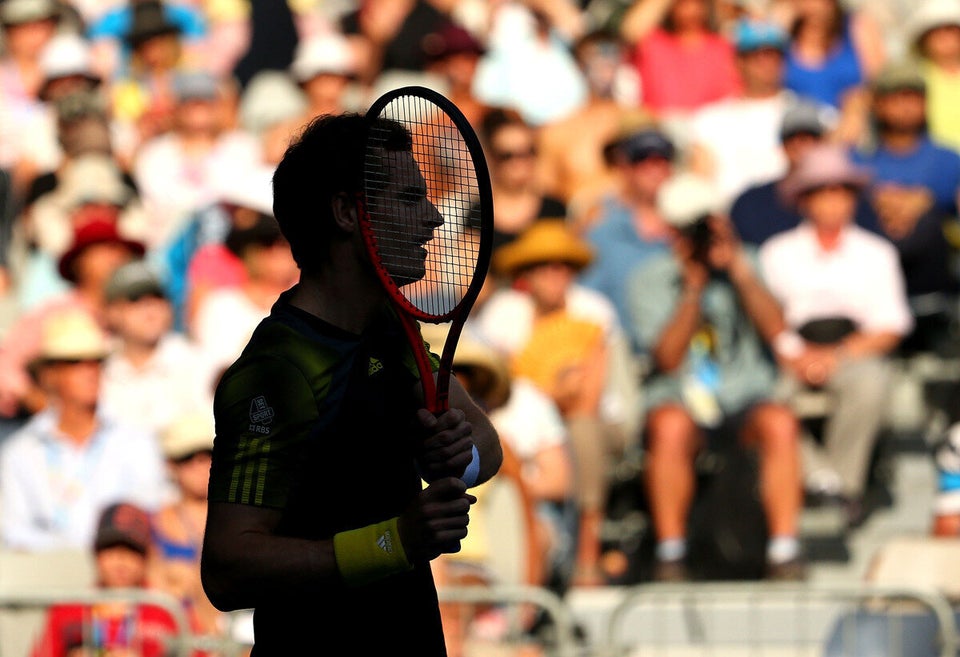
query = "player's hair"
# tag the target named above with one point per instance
(326, 159)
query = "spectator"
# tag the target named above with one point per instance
(528, 65)
(914, 191)
(198, 260)
(734, 141)
(833, 55)
(453, 54)
(386, 34)
(153, 374)
(90, 188)
(118, 31)
(26, 26)
(704, 315)
(511, 147)
(67, 71)
(572, 166)
(625, 227)
(226, 316)
(537, 456)
(324, 66)
(904, 157)
(683, 62)
(70, 461)
(121, 550)
(566, 339)
(272, 108)
(142, 93)
(933, 35)
(762, 211)
(845, 307)
(181, 171)
(187, 443)
(97, 250)
(946, 510)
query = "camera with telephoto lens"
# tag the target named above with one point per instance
(701, 237)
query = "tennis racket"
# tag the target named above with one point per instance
(426, 215)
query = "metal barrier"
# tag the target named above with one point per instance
(776, 619)
(183, 642)
(563, 635)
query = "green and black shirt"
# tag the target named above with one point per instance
(314, 421)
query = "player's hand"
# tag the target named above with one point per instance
(445, 446)
(436, 521)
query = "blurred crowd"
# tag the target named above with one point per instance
(704, 211)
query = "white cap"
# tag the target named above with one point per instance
(253, 189)
(928, 15)
(66, 54)
(686, 197)
(323, 53)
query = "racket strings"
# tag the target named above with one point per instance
(449, 179)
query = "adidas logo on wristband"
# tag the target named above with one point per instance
(385, 542)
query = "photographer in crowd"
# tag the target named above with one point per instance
(703, 314)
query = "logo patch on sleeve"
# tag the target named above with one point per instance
(261, 414)
(374, 366)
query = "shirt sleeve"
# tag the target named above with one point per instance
(651, 297)
(265, 410)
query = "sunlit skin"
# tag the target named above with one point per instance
(120, 566)
(142, 321)
(403, 202)
(830, 208)
(942, 46)
(77, 383)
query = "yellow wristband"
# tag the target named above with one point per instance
(370, 553)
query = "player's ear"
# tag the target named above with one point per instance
(344, 208)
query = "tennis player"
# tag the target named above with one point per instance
(318, 516)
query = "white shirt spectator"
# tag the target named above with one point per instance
(175, 381)
(529, 421)
(51, 490)
(861, 279)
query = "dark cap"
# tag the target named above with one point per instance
(123, 524)
(133, 280)
(451, 39)
(149, 20)
(646, 143)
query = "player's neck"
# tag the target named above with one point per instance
(347, 306)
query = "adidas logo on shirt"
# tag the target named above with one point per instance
(374, 367)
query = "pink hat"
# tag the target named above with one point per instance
(824, 164)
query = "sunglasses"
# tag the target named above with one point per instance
(506, 156)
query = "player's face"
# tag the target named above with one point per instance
(403, 219)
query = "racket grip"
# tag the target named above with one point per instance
(472, 473)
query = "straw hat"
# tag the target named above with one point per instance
(687, 197)
(824, 164)
(190, 433)
(93, 177)
(492, 376)
(547, 240)
(18, 12)
(71, 335)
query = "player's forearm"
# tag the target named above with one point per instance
(241, 570)
(487, 440)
